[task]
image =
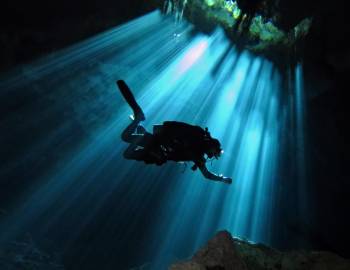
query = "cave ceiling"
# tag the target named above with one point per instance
(289, 28)
(277, 29)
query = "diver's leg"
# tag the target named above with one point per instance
(142, 154)
(133, 153)
(128, 133)
(140, 129)
(130, 99)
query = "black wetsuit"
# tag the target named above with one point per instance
(176, 141)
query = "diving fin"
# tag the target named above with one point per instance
(130, 99)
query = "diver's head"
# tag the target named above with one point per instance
(213, 148)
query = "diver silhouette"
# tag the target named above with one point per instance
(172, 140)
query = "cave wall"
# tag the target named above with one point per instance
(32, 29)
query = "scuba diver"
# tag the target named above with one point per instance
(176, 141)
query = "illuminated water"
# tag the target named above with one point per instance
(124, 211)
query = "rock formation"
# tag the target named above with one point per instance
(226, 253)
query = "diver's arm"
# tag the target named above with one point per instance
(212, 176)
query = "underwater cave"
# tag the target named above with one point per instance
(268, 78)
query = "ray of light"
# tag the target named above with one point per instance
(90, 188)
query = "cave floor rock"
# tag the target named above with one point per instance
(223, 252)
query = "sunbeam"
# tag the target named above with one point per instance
(159, 214)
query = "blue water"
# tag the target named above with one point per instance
(91, 195)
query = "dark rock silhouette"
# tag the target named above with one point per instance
(220, 253)
(226, 253)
